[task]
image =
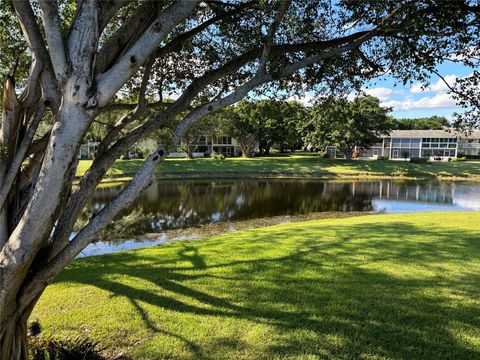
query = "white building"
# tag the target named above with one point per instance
(405, 144)
(87, 151)
(205, 145)
(201, 147)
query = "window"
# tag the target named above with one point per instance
(375, 152)
(225, 140)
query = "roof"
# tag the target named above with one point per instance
(449, 133)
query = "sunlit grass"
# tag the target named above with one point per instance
(297, 165)
(370, 287)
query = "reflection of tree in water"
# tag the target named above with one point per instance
(169, 205)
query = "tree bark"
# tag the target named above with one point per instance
(189, 152)
(248, 148)
(13, 337)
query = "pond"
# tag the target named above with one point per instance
(168, 205)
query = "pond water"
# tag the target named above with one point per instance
(168, 205)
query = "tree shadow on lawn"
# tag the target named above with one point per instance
(338, 298)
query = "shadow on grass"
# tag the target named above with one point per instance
(332, 296)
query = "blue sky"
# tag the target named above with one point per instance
(413, 102)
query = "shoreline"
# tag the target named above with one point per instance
(308, 176)
(207, 230)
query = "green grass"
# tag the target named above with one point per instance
(371, 287)
(298, 165)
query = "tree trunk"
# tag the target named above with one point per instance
(189, 152)
(248, 148)
(13, 338)
(348, 155)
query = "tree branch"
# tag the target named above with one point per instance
(120, 41)
(77, 200)
(35, 43)
(111, 81)
(140, 181)
(54, 38)
(267, 48)
(178, 41)
(19, 157)
(108, 9)
(132, 106)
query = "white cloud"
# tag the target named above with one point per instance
(380, 92)
(467, 54)
(438, 101)
(306, 99)
(438, 86)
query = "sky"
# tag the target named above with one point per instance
(414, 102)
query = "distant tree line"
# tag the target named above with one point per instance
(262, 125)
(268, 124)
(430, 123)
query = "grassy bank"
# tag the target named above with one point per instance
(308, 166)
(371, 287)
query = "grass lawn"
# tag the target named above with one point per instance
(370, 287)
(297, 165)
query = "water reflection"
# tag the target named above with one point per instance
(177, 204)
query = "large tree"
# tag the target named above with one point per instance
(430, 123)
(263, 124)
(66, 62)
(348, 125)
(274, 123)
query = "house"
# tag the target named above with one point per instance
(201, 147)
(405, 144)
(87, 151)
(204, 145)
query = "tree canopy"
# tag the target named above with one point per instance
(67, 62)
(430, 123)
(347, 124)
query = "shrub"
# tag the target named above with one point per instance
(382, 157)
(74, 348)
(462, 158)
(217, 156)
(323, 153)
(355, 154)
(420, 160)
